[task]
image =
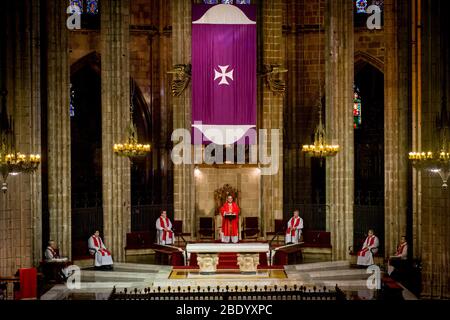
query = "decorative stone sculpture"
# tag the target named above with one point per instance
(248, 262)
(208, 262)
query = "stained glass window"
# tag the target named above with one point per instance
(357, 119)
(211, 1)
(76, 6)
(227, 1)
(361, 6)
(242, 1)
(92, 6)
(72, 105)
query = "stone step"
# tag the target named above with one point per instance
(338, 273)
(317, 266)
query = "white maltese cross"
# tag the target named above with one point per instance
(224, 75)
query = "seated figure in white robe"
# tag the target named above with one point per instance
(400, 255)
(52, 256)
(370, 247)
(164, 233)
(97, 248)
(294, 228)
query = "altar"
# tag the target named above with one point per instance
(208, 255)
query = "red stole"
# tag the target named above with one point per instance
(226, 223)
(98, 244)
(293, 227)
(369, 242)
(54, 253)
(400, 249)
(165, 224)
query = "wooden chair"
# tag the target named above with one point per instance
(206, 228)
(251, 228)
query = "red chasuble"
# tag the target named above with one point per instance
(226, 208)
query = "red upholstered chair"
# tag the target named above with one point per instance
(251, 228)
(177, 228)
(139, 240)
(279, 230)
(206, 229)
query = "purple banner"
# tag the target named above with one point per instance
(224, 73)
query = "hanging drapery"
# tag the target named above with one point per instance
(223, 73)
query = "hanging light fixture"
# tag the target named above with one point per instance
(131, 148)
(320, 148)
(12, 162)
(437, 159)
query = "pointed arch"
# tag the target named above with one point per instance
(362, 58)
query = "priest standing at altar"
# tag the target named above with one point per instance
(230, 221)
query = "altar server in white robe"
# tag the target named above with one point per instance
(101, 255)
(370, 247)
(294, 228)
(164, 229)
(400, 255)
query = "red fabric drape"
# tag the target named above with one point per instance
(28, 283)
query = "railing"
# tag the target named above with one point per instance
(314, 215)
(3, 290)
(229, 294)
(143, 217)
(85, 221)
(87, 200)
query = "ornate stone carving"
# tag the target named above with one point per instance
(208, 262)
(272, 75)
(182, 77)
(248, 262)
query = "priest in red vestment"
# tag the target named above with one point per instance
(230, 221)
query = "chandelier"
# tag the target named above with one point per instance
(131, 148)
(12, 162)
(437, 162)
(320, 148)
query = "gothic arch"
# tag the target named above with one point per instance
(362, 58)
(91, 59)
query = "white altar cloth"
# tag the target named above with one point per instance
(227, 247)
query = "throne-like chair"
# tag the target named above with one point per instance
(220, 197)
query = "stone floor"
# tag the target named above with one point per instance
(97, 285)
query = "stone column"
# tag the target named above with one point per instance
(59, 164)
(20, 207)
(433, 219)
(271, 111)
(115, 75)
(395, 123)
(183, 176)
(339, 123)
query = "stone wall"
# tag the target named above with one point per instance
(246, 180)
(20, 206)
